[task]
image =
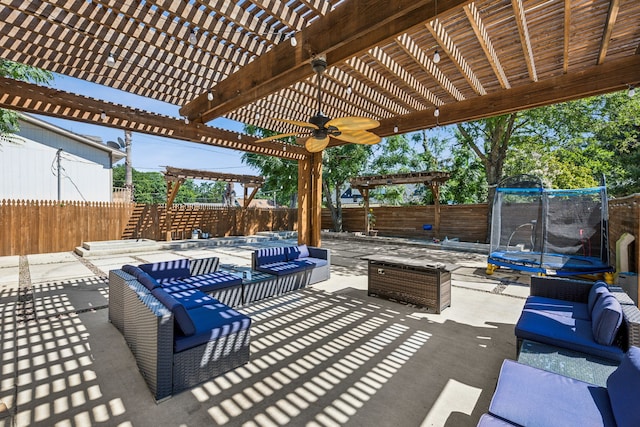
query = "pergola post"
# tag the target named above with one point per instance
(365, 198)
(435, 190)
(173, 185)
(310, 199)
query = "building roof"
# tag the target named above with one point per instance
(91, 141)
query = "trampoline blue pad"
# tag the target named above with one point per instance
(561, 263)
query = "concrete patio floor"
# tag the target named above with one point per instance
(328, 355)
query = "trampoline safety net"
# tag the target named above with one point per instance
(550, 231)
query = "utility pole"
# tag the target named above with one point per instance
(128, 175)
(59, 162)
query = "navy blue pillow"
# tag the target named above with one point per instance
(147, 281)
(167, 271)
(180, 314)
(596, 291)
(606, 318)
(623, 386)
(132, 270)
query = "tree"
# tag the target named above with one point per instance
(14, 70)
(339, 164)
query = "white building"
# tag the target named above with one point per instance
(45, 162)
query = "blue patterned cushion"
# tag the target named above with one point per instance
(167, 271)
(623, 386)
(599, 288)
(180, 314)
(148, 281)
(606, 318)
(270, 255)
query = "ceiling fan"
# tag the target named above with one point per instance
(320, 127)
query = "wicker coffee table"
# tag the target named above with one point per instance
(410, 280)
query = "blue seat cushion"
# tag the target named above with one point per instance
(532, 397)
(317, 262)
(599, 288)
(270, 255)
(623, 386)
(488, 420)
(167, 271)
(283, 268)
(607, 318)
(212, 281)
(212, 322)
(182, 319)
(563, 331)
(576, 310)
(172, 287)
(193, 298)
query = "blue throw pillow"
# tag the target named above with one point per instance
(132, 270)
(623, 386)
(606, 318)
(148, 281)
(180, 314)
(167, 271)
(304, 251)
(293, 253)
(596, 291)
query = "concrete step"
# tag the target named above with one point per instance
(113, 247)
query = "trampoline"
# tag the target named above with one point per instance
(549, 231)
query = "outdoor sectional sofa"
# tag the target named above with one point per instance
(591, 318)
(527, 396)
(178, 333)
(295, 266)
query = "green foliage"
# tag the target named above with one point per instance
(150, 187)
(14, 70)
(280, 175)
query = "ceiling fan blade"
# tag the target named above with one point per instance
(353, 123)
(280, 135)
(358, 137)
(300, 123)
(314, 145)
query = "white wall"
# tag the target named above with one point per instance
(29, 169)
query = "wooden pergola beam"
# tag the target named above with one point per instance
(30, 98)
(353, 28)
(609, 77)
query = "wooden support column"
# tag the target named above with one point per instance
(172, 191)
(310, 199)
(435, 190)
(365, 198)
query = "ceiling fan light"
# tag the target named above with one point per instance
(395, 129)
(103, 115)
(111, 61)
(292, 40)
(210, 96)
(349, 90)
(186, 120)
(436, 57)
(436, 112)
(193, 38)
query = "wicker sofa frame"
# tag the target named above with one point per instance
(301, 279)
(578, 291)
(148, 329)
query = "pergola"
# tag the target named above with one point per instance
(432, 179)
(249, 61)
(176, 176)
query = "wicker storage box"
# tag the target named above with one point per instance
(411, 281)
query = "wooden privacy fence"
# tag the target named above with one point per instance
(466, 222)
(30, 227)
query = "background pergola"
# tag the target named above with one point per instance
(497, 56)
(431, 179)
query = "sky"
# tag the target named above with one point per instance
(151, 153)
